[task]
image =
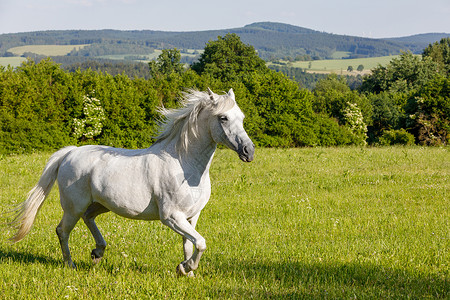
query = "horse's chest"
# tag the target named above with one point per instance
(187, 199)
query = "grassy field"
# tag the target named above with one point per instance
(48, 50)
(151, 56)
(339, 66)
(315, 223)
(12, 61)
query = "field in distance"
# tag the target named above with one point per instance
(340, 66)
(48, 50)
(63, 50)
(12, 61)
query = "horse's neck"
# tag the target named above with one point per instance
(197, 159)
(199, 156)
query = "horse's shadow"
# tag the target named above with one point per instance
(25, 257)
(338, 276)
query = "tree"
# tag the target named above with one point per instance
(167, 63)
(360, 68)
(386, 115)
(350, 69)
(228, 59)
(402, 75)
(428, 110)
(334, 98)
(439, 53)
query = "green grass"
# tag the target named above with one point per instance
(309, 223)
(339, 66)
(12, 61)
(156, 53)
(48, 50)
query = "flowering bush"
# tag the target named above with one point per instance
(91, 125)
(353, 118)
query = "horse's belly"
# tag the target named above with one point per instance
(150, 212)
(142, 208)
(127, 196)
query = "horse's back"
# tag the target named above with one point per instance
(116, 178)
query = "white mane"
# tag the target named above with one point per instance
(181, 123)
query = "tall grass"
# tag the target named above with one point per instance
(295, 223)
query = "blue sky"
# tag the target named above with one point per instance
(368, 18)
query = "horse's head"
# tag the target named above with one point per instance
(227, 128)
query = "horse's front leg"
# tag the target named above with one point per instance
(178, 222)
(188, 247)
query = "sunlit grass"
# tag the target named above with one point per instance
(295, 223)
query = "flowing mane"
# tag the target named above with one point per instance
(181, 124)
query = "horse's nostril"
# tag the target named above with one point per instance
(245, 150)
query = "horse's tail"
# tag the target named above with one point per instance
(26, 212)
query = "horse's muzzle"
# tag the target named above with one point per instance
(247, 152)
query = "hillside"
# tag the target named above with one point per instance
(271, 40)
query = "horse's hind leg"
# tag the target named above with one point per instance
(63, 230)
(89, 216)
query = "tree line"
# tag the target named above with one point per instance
(272, 41)
(44, 107)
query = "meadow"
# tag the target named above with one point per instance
(12, 61)
(48, 50)
(340, 66)
(310, 223)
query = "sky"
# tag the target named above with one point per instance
(365, 18)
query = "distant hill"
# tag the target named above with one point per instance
(419, 41)
(271, 40)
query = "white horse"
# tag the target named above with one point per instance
(168, 181)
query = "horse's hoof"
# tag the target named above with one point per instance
(96, 260)
(190, 274)
(95, 257)
(71, 265)
(181, 271)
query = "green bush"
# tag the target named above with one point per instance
(330, 133)
(396, 137)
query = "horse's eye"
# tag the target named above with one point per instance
(223, 118)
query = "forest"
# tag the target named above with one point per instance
(44, 107)
(271, 41)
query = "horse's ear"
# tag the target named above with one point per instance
(231, 94)
(211, 95)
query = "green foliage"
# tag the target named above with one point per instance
(401, 75)
(227, 59)
(330, 133)
(440, 53)
(429, 110)
(283, 112)
(412, 92)
(33, 114)
(386, 114)
(334, 98)
(44, 107)
(168, 62)
(396, 137)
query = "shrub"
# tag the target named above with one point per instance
(330, 133)
(396, 137)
